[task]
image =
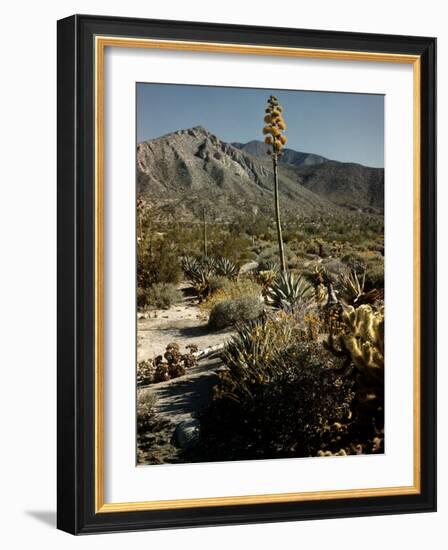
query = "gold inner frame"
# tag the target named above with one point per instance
(101, 42)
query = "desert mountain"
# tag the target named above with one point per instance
(347, 184)
(189, 169)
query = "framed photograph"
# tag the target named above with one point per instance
(246, 274)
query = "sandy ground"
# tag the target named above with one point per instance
(183, 323)
(182, 398)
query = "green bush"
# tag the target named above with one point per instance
(158, 296)
(157, 262)
(234, 247)
(301, 408)
(230, 312)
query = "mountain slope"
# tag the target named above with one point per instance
(347, 184)
(259, 149)
(189, 169)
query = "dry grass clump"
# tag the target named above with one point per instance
(224, 289)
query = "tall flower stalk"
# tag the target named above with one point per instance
(276, 140)
(204, 232)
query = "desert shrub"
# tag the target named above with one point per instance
(335, 267)
(251, 354)
(141, 297)
(230, 290)
(300, 406)
(158, 296)
(234, 247)
(157, 262)
(375, 275)
(270, 254)
(230, 312)
(218, 283)
(354, 261)
(152, 430)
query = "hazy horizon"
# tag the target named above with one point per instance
(346, 127)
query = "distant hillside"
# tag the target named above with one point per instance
(350, 185)
(186, 170)
(259, 149)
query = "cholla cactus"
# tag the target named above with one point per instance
(276, 140)
(363, 339)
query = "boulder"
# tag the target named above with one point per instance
(186, 434)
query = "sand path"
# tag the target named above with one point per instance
(182, 398)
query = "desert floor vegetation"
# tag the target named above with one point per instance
(239, 360)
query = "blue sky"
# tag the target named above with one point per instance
(339, 126)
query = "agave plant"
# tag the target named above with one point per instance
(289, 292)
(207, 263)
(189, 264)
(226, 268)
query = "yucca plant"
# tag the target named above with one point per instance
(289, 292)
(276, 140)
(224, 267)
(352, 286)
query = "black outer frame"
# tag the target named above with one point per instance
(75, 474)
